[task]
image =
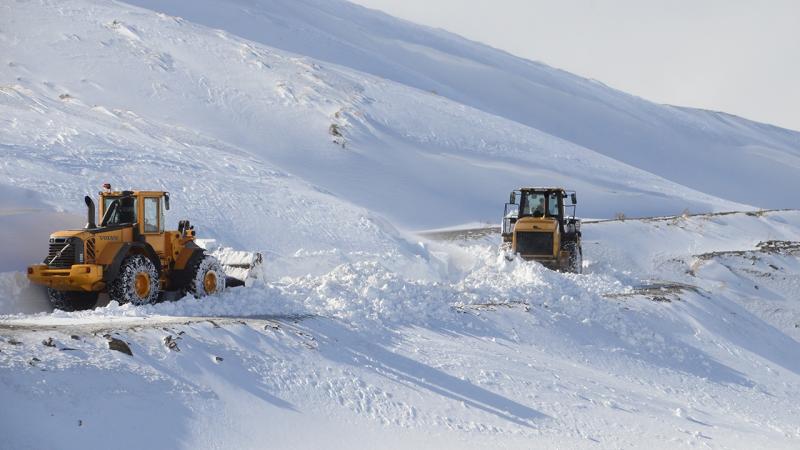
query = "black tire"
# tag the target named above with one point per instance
(575, 261)
(72, 300)
(207, 277)
(137, 282)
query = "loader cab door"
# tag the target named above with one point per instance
(152, 224)
(510, 215)
(554, 205)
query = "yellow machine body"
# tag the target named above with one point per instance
(95, 250)
(544, 225)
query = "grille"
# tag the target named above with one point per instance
(66, 258)
(535, 243)
(90, 250)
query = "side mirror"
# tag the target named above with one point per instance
(574, 198)
(166, 201)
(512, 198)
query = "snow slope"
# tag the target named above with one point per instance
(710, 151)
(682, 332)
(405, 152)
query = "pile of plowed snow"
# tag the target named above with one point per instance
(445, 278)
(365, 294)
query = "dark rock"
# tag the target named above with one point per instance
(119, 345)
(172, 343)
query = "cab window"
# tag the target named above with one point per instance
(125, 211)
(151, 215)
(162, 219)
(552, 205)
(533, 204)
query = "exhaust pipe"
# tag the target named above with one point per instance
(89, 213)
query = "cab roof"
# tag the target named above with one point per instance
(119, 193)
(540, 188)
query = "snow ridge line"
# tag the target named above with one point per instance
(477, 233)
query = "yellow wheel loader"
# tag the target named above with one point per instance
(539, 224)
(129, 255)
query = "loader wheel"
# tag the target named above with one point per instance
(575, 258)
(137, 282)
(208, 278)
(72, 300)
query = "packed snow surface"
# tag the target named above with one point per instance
(320, 133)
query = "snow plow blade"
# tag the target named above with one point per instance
(241, 267)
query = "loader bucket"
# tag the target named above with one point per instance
(241, 267)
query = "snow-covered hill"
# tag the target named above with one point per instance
(406, 152)
(320, 133)
(713, 152)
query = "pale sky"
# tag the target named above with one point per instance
(737, 56)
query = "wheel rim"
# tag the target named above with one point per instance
(210, 282)
(141, 284)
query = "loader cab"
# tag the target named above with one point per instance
(542, 204)
(145, 210)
